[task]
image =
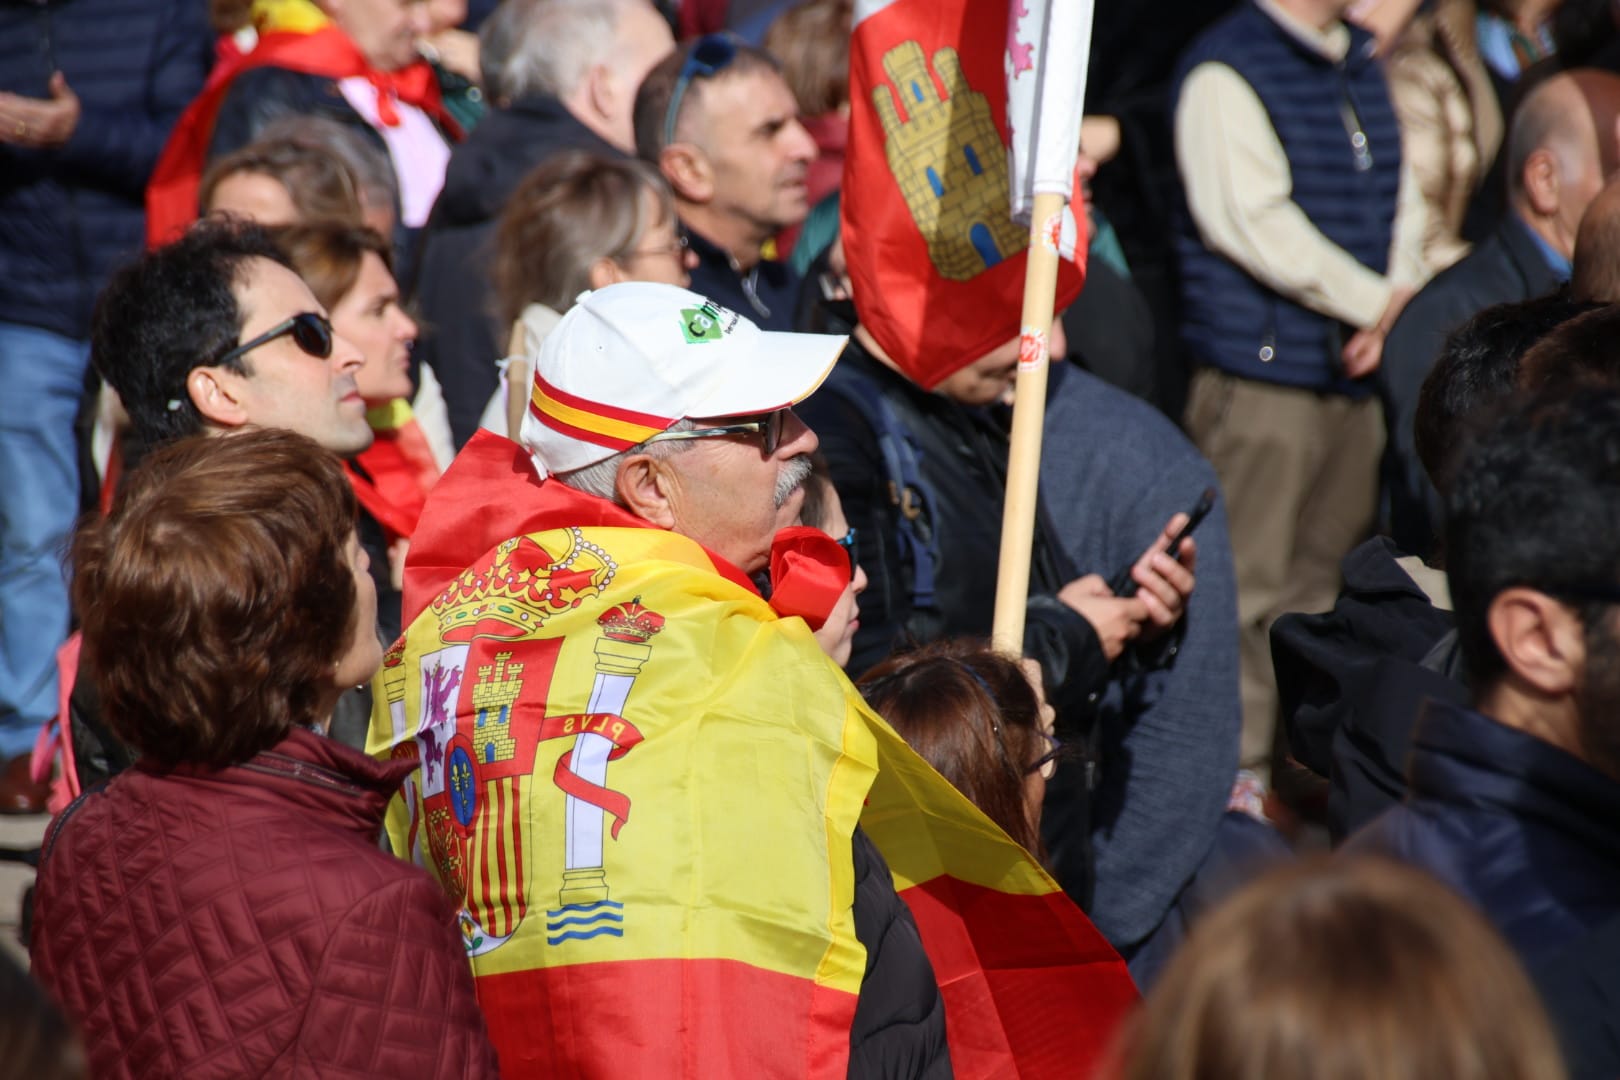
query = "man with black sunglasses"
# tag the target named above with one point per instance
(215, 333)
(721, 124)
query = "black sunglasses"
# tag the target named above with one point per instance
(770, 426)
(712, 54)
(850, 542)
(1054, 750)
(310, 332)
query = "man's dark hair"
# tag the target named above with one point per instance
(168, 312)
(652, 100)
(1595, 274)
(1477, 371)
(1583, 350)
(1536, 503)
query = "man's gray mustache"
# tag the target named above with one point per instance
(792, 477)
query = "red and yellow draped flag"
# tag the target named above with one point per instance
(639, 784)
(936, 259)
(393, 475)
(298, 36)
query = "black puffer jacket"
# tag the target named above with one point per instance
(1352, 681)
(899, 1028)
(69, 216)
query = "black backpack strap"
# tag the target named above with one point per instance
(908, 492)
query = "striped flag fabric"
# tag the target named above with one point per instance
(640, 785)
(1048, 55)
(940, 92)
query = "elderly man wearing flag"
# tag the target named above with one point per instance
(663, 811)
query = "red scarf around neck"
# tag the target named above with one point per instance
(171, 195)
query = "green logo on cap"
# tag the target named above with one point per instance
(701, 324)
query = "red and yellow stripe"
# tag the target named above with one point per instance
(592, 421)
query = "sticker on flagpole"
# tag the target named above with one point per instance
(1060, 234)
(1031, 349)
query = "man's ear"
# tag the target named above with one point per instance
(1542, 641)
(598, 91)
(645, 488)
(688, 171)
(604, 272)
(1541, 180)
(217, 395)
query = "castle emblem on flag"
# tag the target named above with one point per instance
(949, 161)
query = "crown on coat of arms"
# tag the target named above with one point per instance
(513, 596)
(630, 621)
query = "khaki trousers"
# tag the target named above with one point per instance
(1299, 471)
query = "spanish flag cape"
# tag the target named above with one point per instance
(639, 784)
(296, 35)
(396, 472)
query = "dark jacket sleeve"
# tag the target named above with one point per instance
(856, 467)
(1350, 682)
(119, 144)
(899, 1028)
(461, 338)
(394, 994)
(1581, 990)
(1071, 656)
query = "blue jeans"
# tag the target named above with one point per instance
(41, 381)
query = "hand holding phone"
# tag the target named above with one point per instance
(1123, 584)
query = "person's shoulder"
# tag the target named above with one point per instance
(1087, 408)
(1483, 277)
(1227, 37)
(1484, 272)
(266, 78)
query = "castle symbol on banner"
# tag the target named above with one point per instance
(949, 161)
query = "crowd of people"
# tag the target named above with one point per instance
(393, 387)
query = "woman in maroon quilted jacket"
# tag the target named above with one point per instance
(222, 909)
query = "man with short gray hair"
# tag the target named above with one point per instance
(741, 905)
(560, 75)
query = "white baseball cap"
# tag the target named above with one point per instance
(632, 359)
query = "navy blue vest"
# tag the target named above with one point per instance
(1318, 108)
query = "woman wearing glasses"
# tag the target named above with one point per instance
(578, 222)
(222, 908)
(981, 719)
(349, 270)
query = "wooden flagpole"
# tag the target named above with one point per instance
(1029, 414)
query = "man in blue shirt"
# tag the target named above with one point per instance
(1561, 146)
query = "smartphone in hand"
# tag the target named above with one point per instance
(1122, 584)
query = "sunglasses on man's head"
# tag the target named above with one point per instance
(311, 332)
(712, 54)
(769, 425)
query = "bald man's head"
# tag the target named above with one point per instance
(1596, 274)
(1563, 144)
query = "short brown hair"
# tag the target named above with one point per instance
(812, 41)
(322, 186)
(327, 255)
(1342, 969)
(576, 208)
(218, 595)
(971, 713)
(652, 99)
